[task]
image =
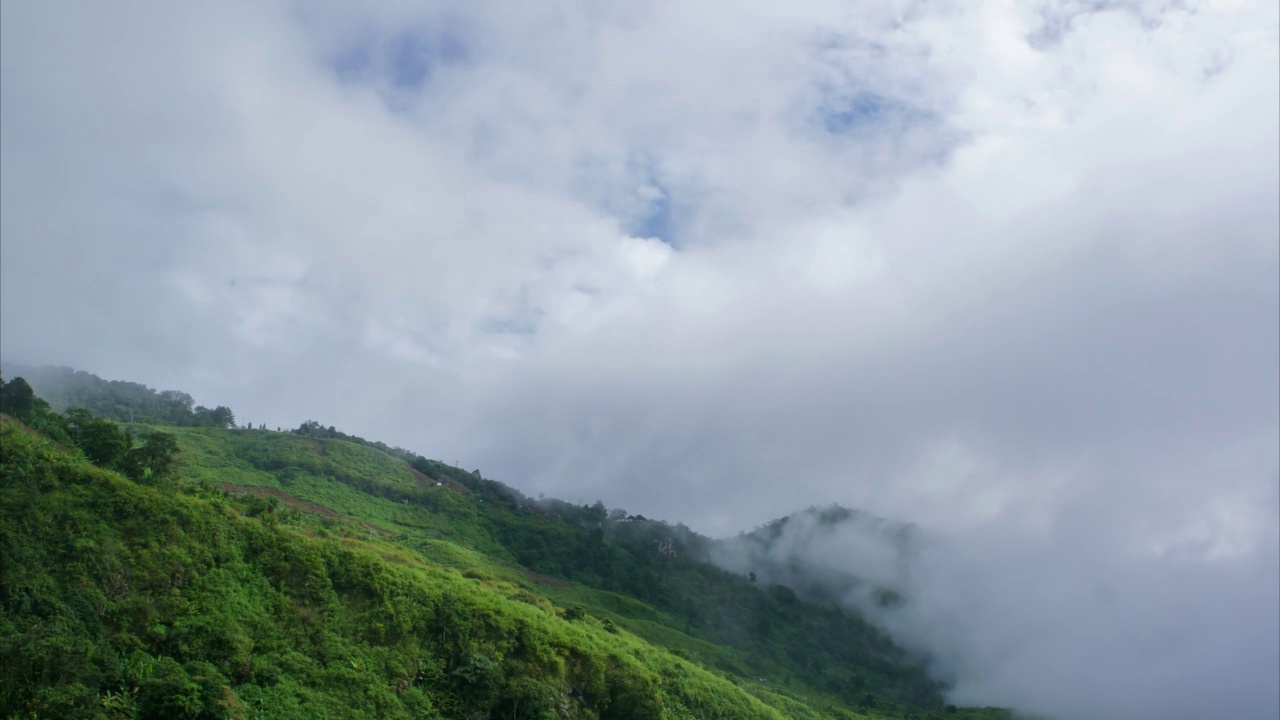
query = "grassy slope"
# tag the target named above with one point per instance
(372, 606)
(329, 471)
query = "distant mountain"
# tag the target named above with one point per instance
(234, 572)
(827, 554)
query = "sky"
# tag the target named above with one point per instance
(1004, 270)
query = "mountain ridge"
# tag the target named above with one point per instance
(636, 575)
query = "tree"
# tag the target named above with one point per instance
(153, 460)
(102, 441)
(223, 417)
(176, 406)
(478, 680)
(220, 416)
(310, 427)
(17, 398)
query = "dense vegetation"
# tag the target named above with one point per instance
(250, 573)
(117, 400)
(101, 441)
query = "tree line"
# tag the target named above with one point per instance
(147, 457)
(120, 401)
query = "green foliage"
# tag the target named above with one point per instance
(104, 443)
(126, 402)
(153, 461)
(287, 575)
(615, 568)
(143, 602)
(17, 398)
(194, 691)
(477, 681)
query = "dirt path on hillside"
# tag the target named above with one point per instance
(424, 479)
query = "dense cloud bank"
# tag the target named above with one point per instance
(1060, 624)
(1004, 271)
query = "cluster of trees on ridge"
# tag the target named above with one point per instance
(124, 402)
(146, 458)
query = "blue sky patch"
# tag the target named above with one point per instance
(407, 61)
(526, 324)
(863, 109)
(411, 58)
(354, 63)
(658, 222)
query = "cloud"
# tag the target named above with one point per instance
(1007, 271)
(1075, 617)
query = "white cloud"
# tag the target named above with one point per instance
(979, 267)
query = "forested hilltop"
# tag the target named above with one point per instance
(178, 569)
(126, 402)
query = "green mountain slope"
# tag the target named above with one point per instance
(281, 575)
(641, 574)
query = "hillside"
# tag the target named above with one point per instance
(254, 573)
(810, 551)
